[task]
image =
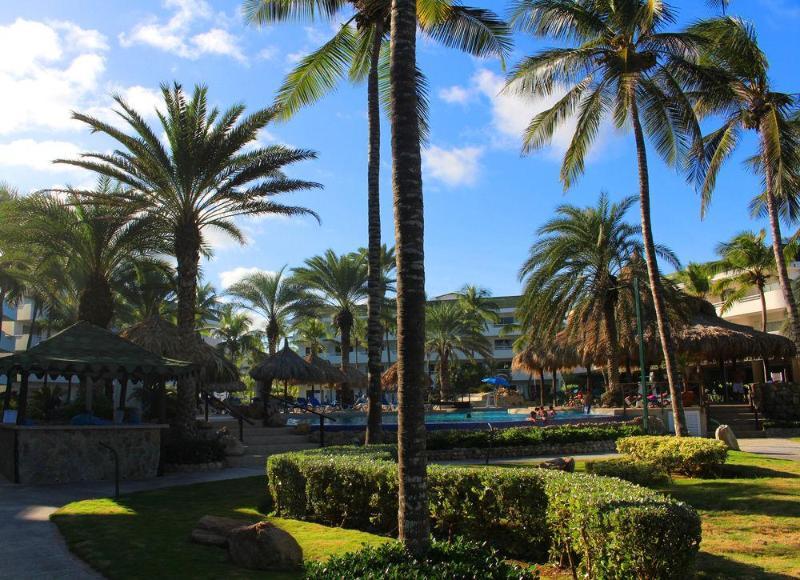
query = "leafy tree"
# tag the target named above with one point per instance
(312, 333)
(450, 333)
(622, 64)
(338, 284)
(235, 333)
(274, 296)
(477, 304)
(146, 290)
(204, 176)
(696, 279)
(573, 274)
(746, 262)
(97, 240)
(737, 86)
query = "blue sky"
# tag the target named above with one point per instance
(483, 201)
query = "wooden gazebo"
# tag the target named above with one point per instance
(92, 353)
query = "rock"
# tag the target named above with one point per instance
(725, 434)
(214, 530)
(559, 464)
(264, 546)
(233, 447)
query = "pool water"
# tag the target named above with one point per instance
(440, 418)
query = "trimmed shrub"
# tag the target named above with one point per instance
(503, 506)
(457, 560)
(595, 524)
(638, 472)
(606, 528)
(524, 436)
(687, 455)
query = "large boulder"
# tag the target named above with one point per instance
(264, 546)
(725, 434)
(559, 464)
(214, 530)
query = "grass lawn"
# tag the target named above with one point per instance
(146, 535)
(751, 518)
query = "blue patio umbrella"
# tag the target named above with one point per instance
(496, 381)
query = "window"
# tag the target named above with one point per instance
(502, 344)
(505, 320)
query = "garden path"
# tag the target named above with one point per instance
(772, 447)
(31, 547)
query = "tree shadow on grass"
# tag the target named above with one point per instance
(711, 566)
(737, 497)
(733, 471)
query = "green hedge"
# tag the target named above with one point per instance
(458, 560)
(687, 455)
(525, 436)
(605, 527)
(638, 472)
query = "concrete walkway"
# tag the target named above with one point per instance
(32, 548)
(772, 447)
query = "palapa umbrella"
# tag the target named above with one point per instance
(287, 366)
(389, 378)
(333, 376)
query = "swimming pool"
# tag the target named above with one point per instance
(461, 419)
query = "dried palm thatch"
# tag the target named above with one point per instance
(559, 353)
(287, 365)
(355, 378)
(163, 338)
(389, 379)
(332, 375)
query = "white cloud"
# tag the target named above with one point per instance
(456, 166)
(295, 57)
(55, 69)
(267, 53)
(512, 112)
(230, 277)
(38, 155)
(179, 34)
(455, 94)
(146, 101)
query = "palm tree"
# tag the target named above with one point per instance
(274, 296)
(339, 283)
(409, 236)
(738, 87)
(235, 333)
(311, 333)
(695, 279)
(358, 50)
(624, 66)
(204, 177)
(450, 332)
(98, 242)
(477, 304)
(573, 273)
(146, 290)
(746, 262)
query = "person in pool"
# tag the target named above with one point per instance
(551, 412)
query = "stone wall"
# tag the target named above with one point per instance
(778, 401)
(7, 450)
(63, 453)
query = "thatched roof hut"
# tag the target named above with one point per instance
(389, 379)
(333, 376)
(163, 338)
(287, 365)
(557, 354)
(355, 378)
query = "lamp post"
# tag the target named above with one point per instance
(640, 331)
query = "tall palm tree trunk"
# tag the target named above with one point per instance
(413, 522)
(541, 386)
(187, 253)
(612, 354)
(445, 389)
(32, 329)
(777, 249)
(345, 327)
(96, 302)
(273, 335)
(374, 277)
(653, 274)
